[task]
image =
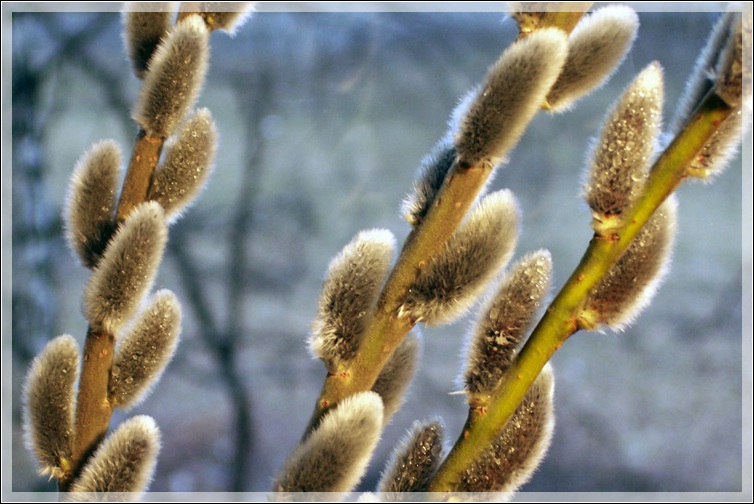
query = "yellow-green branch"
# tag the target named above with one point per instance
(561, 318)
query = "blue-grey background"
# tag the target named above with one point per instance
(323, 119)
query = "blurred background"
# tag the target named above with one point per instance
(324, 118)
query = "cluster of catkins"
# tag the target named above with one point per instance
(545, 68)
(132, 336)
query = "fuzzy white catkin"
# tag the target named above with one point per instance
(144, 352)
(734, 85)
(432, 173)
(123, 465)
(127, 269)
(49, 399)
(514, 456)
(723, 146)
(91, 201)
(394, 379)
(628, 287)
(505, 319)
(596, 48)
(513, 92)
(354, 279)
(625, 146)
(447, 287)
(414, 461)
(187, 165)
(729, 40)
(701, 80)
(225, 16)
(733, 81)
(335, 456)
(174, 78)
(145, 24)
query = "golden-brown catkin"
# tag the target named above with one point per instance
(122, 466)
(517, 451)
(528, 15)
(174, 78)
(628, 287)
(187, 165)
(434, 168)
(91, 201)
(354, 279)
(225, 16)
(145, 24)
(626, 144)
(335, 456)
(596, 48)
(505, 320)
(127, 269)
(531, 16)
(144, 352)
(49, 403)
(395, 377)
(514, 90)
(453, 280)
(414, 461)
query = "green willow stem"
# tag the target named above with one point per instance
(561, 318)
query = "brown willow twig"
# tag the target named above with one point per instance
(93, 405)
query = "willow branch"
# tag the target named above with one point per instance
(460, 188)
(561, 318)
